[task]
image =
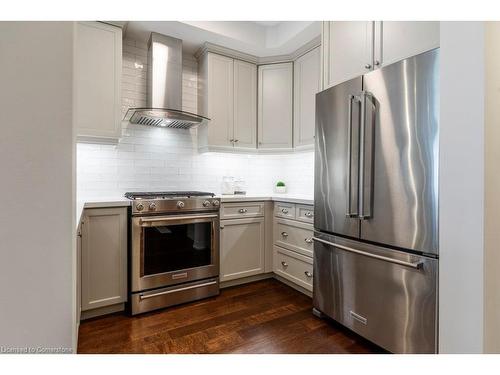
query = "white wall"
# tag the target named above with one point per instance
(492, 190)
(36, 162)
(461, 186)
(149, 158)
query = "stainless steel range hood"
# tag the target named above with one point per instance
(164, 89)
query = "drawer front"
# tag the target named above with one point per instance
(305, 213)
(394, 305)
(294, 267)
(294, 236)
(286, 210)
(241, 210)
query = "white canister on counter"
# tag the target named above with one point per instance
(227, 185)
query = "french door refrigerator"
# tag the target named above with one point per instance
(376, 204)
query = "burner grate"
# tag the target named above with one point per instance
(167, 194)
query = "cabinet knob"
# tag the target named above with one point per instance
(308, 274)
(243, 210)
(284, 210)
(377, 63)
(308, 214)
(368, 66)
(308, 240)
(284, 234)
(236, 140)
(284, 264)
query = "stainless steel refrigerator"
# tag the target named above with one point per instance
(376, 204)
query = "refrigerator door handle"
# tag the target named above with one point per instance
(415, 265)
(349, 212)
(364, 97)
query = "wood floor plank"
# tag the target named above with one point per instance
(262, 317)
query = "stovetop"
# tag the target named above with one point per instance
(166, 194)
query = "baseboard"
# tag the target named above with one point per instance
(246, 280)
(88, 314)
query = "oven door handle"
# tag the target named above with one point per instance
(146, 296)
(147, 221)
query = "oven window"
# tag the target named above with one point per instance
(176, 247)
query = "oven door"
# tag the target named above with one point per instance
(174, 249)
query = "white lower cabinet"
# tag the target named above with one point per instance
(103, 258)
(242, 248)
(293, 244)
(294, 267)
(257, 239)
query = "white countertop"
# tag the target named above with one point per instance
(124, 202)
(290, 198)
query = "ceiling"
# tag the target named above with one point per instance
(259, 38)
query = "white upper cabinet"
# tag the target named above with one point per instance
(352, 48)
(347, 48)
(245, 105)
(228, 91)
(275, 102)
(307, 83)
(219, 98)
(97, 70)
(397, 40)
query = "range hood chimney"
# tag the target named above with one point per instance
(164, 88)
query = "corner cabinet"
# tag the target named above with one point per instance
(228, 96)
(97, 82)
(307, 83)
(352, 48)
(103, 258)
(275, 103)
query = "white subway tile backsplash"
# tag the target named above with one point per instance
(149, 158)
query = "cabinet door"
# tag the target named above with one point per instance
(220, 100)
(347, 48)
(98, 69)
(245, 104)
(104, 257)
(307, 84)
(242, 248)
(397, 40)
(275, 106)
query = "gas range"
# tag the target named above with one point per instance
(174, 251)
(172, 201)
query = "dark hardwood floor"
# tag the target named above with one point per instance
(262, 317)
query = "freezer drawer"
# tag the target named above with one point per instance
(386, 296)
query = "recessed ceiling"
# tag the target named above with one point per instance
(259, 38)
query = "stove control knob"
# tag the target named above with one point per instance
(180, 204)
(152, 206)
(206, 203)
(139, 207)
(216, 203)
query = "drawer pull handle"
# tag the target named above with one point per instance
(284, 234)
(308, 214)
(309, 240)
(284, 210)
(243, 210)
(284, 264)
(308, 274)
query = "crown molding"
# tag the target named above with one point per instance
(214, 48)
